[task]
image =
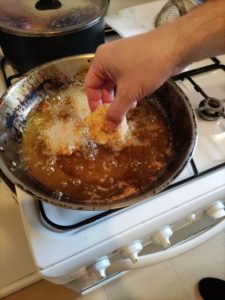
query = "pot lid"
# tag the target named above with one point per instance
(49, 17)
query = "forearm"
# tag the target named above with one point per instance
(201, 33)
(197, 35)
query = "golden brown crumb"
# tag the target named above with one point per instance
(63, 137)
(97, 131)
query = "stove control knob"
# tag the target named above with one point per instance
(163, 236)
(216, 210)
(100, 267)
(132, 251)
(191, 218)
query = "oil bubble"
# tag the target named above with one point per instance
(63, 184)
(91, 156)
(114, 163)
(26, 158)
(14, 164)
(111, 180)
(79, 167)
(104, 179)
(58, 195)
(109, 165)
(135, 165)
(51, 161)
(39, 163)
(78, 154)
(76, 181)
(48, 170)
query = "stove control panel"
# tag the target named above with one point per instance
(216, 210)
(162, 237)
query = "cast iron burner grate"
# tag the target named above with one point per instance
(215, 65)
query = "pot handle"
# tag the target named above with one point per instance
(48, 4)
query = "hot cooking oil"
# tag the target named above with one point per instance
(95, 172)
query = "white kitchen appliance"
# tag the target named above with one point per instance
(84, 250)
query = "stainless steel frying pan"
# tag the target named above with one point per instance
(22, 97)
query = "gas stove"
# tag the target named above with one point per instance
(194, 82)
(86, 249)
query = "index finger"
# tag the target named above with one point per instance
(93, 87)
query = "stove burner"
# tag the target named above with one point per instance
(211, 109)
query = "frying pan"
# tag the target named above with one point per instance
(16, 104)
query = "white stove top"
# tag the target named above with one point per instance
(55, 251)
(84, 242)
(211, 134)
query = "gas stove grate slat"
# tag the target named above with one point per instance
(72, 226)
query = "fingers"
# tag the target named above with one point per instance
(93, 88)
(108, 91)
(134, 104)
(94, 98)
(125, 99)
(98, 90)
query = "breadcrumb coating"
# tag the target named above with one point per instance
(96, 123)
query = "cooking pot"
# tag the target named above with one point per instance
(23, 96)
(34, 32)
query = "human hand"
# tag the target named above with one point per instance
(137, 66)
(133, 68)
